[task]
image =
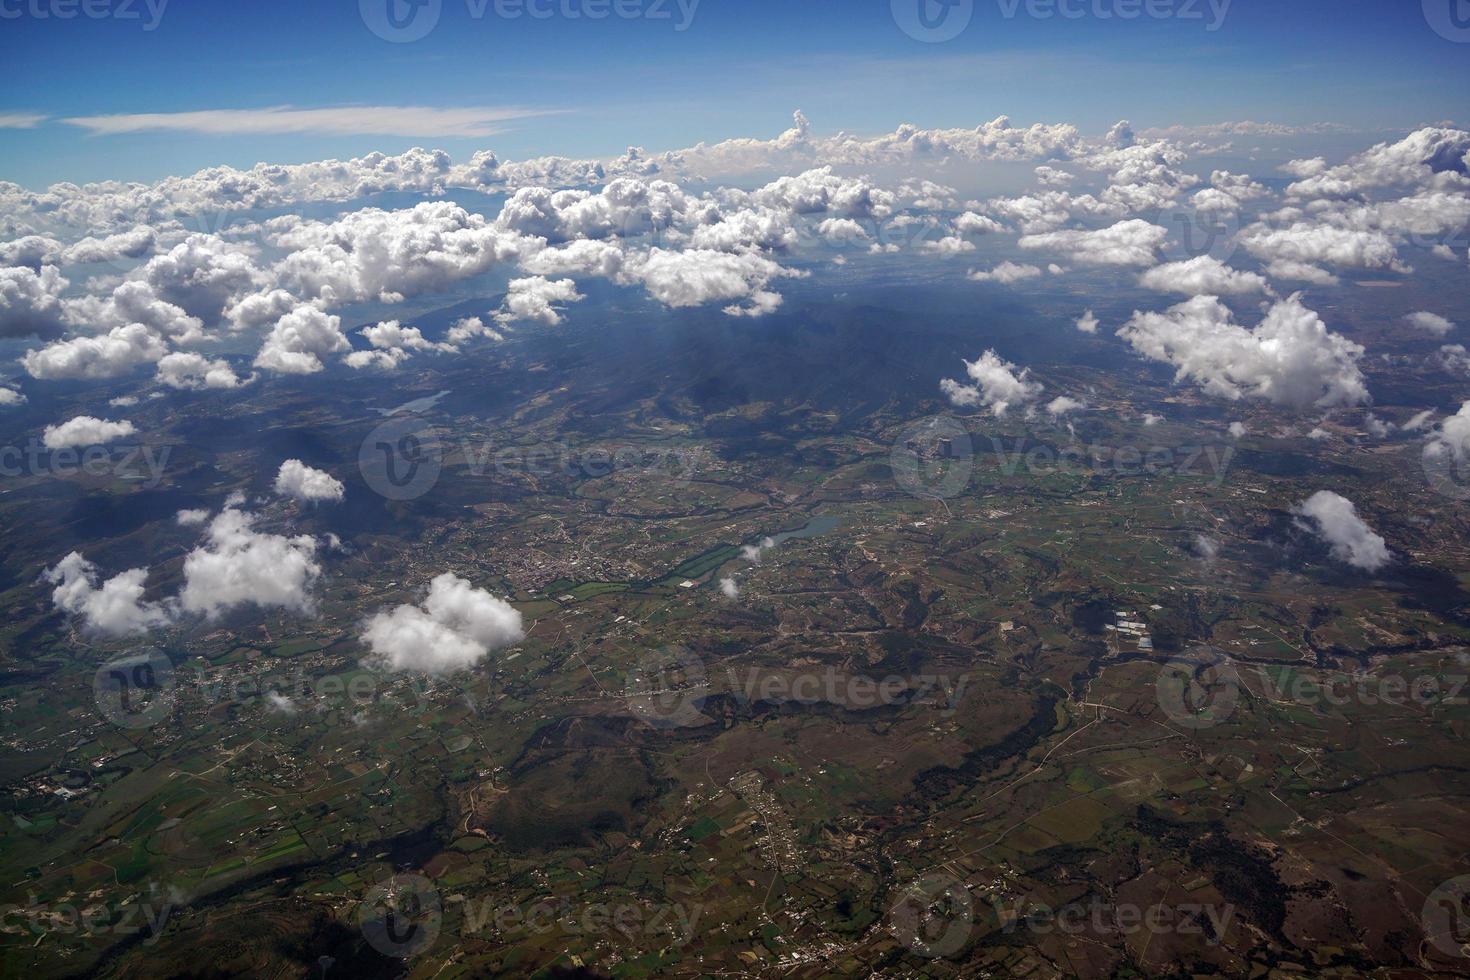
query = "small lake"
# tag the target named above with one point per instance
(820, 524)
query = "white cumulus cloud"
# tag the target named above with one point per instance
(1335, 520)
(998, 385)
(115, 606)
(85, 430)
(1289, 358)
(297, 480)
(454, 628)
(237, 565)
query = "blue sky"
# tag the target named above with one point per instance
(739, 68)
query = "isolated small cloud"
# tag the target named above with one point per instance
(1087, 323)
(729, 588)
(468, 327)
(537, 299)
(1419, 421)
(297, 480)
(971, 223)
(949, 245)
(454, 628)
(998, 385)
(1006, 273)
(752, 552)
(85, 430)
(237, 565)
(189, 371)
(115, 607)
(1202, 275)
(1062, 404)
(1430, 323)
(1289, 358)
(1335, 520)
(1206, 547)
(279, 703)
